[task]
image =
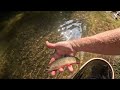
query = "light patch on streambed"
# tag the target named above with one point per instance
(71, 29)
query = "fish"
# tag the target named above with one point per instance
(64, 61)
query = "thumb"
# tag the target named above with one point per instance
(50, 45)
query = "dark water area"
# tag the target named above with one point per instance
(5, 14)
(23, 52)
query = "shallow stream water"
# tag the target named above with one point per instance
(23, 51)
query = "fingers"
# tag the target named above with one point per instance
(54, 57)
(70, 68)
(61, 69)
(53, 73)
(50, 45)
(52, 60)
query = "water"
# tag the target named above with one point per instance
(23, 51)
(26, 55)
(70, 29)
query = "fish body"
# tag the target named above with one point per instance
(62, 62)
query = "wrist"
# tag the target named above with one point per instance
(73, 45)
(81, 44)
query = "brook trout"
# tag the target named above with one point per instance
(62, 62)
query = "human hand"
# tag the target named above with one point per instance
(62, 48)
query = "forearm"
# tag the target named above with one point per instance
(104, 43)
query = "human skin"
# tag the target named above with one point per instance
(106, 43)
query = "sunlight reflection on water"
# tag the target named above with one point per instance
(71, 29)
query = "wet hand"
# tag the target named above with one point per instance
(62, 48)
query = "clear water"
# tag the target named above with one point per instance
(71, 29)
